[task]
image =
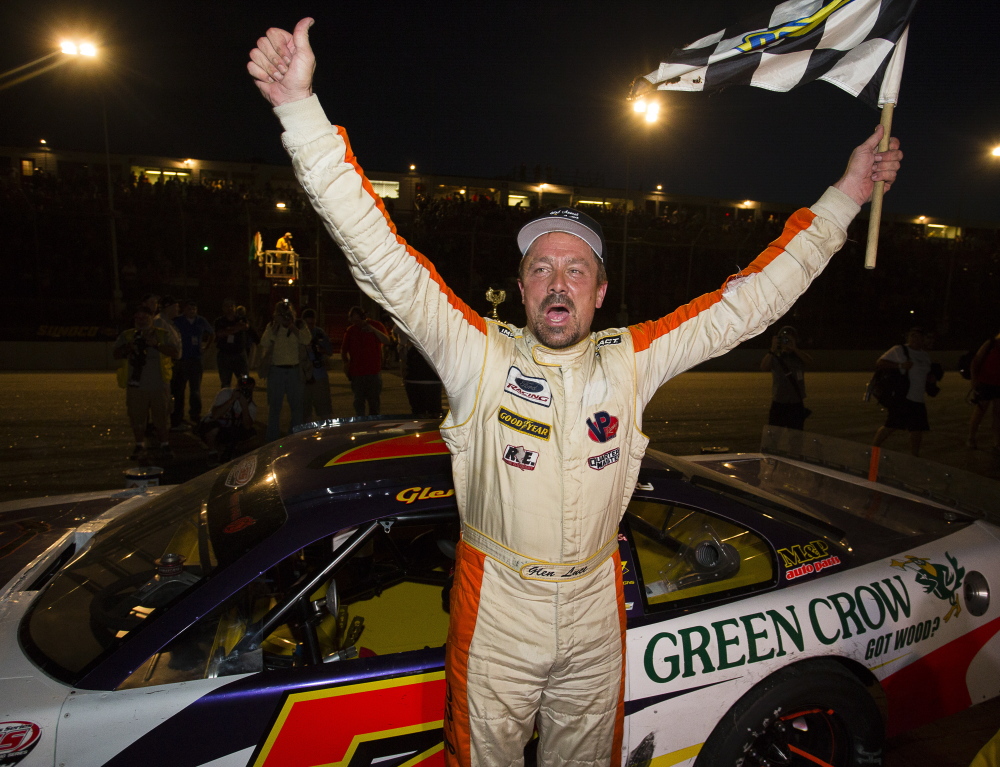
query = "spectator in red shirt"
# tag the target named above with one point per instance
(362, 355)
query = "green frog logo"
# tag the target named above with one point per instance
(943, 581)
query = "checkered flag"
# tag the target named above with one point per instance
(857, 45)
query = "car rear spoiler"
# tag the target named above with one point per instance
(954, 488)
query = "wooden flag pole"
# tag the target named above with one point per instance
(875, 214)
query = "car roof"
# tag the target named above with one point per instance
(374, 459)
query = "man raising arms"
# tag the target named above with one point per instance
(544, 428)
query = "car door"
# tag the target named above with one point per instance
(679, 560)
(356, 679)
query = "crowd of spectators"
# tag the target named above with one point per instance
(172, 233)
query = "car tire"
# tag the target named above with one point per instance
(807, 714)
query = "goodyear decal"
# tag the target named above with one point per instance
(794, 28)
(17, 739)
(943, 581)
(409, 722)
(518, 422)
(411, 494)
(407, 446)
(699, 650)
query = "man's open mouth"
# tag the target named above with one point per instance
(557, 310)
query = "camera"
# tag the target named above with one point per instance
(241, 313)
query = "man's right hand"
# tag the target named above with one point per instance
(282, 64)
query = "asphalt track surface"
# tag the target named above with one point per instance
(67, 433)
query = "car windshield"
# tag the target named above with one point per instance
(137, 566)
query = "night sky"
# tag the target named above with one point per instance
(482, 88)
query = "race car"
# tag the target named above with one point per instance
(290, 608)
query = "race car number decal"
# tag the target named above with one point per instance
(408, 446)
(17, 739)
(390, 723)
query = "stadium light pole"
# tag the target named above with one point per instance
(89, 50)
(649, 110)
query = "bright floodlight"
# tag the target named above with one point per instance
(652, 111)
(639, 105)
(996, 151)
(83, 49)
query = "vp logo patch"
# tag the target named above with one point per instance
(521, 458)
(602, 426)
(526, 387)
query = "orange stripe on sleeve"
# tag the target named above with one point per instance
(645, 333)
(454, 301)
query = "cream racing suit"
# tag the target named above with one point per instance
(545, 447)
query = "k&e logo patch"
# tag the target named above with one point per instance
(609, 341)
(604, 460)
(517, 422)
(520, 457)
(528, 388)
(602, 426)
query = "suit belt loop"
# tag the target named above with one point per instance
(534, 569)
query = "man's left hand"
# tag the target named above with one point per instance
(867, 165)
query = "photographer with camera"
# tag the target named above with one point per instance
(284, 363)
(233, 338)
(230, 420)
(147, 355)
(786, 363)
